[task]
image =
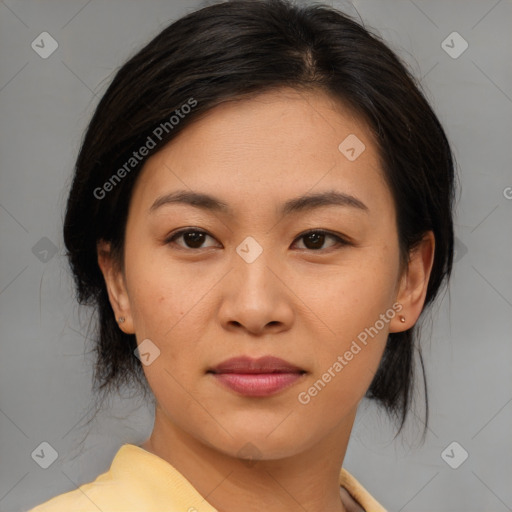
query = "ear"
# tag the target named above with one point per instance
(414, 282)
(116, 286)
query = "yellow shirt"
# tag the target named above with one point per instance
(140, 481)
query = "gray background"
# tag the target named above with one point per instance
(46, 371)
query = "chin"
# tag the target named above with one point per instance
(260, 440)
(251, 450)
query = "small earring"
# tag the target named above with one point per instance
(402, 318)
(121, 319)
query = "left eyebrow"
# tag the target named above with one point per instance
(328, 198)
(297, 204)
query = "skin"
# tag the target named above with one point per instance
(201, 306)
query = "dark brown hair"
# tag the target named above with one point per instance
(237, 49)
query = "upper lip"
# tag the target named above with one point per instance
(245, 364)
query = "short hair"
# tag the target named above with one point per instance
(239, 49)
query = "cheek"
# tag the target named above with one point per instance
(160, 294)
(170, 306)
(351, 348)
(354, 309)
(348, 298)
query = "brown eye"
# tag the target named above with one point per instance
(314, 240)
(192, 238)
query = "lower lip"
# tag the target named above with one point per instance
(257, 384)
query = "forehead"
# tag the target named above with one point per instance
(277, 144)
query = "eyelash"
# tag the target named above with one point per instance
(340, 241)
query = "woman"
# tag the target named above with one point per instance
(261, 211)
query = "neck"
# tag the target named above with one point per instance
(308, 480)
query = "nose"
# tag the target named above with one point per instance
(255, 299)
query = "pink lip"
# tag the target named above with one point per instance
(257, 377)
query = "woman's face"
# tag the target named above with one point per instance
(245, 283)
